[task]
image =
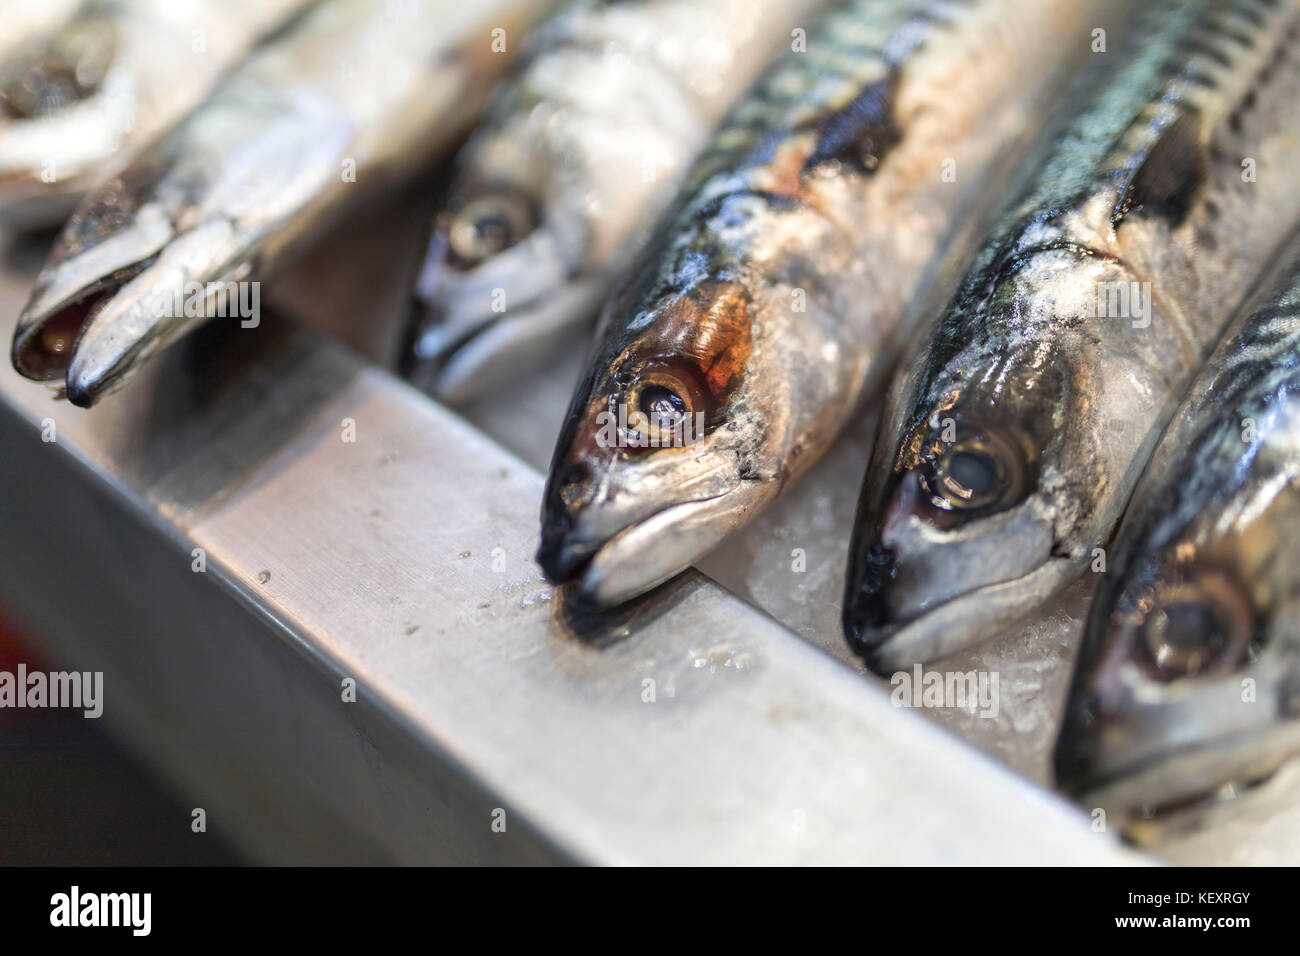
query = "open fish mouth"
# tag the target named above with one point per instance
(435, 348)
(46, 340)
(94, 260)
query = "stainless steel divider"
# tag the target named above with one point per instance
(354, 530)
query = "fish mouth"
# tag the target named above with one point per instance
(434, 344)
(960, 622)
(1142, 758)
(76, 286)
(139, 281)
(644, 553)
(1185, 778)
(47, 334)
(458, 360)
(455, 362)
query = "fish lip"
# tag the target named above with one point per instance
(927, 636)
(491, 347)
(1120, 787)
(562, 557)
(84, 391)
(430, 371)
(37, 314)
(95, 371)
(133, 321)
(93, 274)
(568, 558)
(430, 312)
(21, 348)
(1170, 770)
(1074, 766)
(865, 607)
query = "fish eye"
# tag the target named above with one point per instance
(1201, 627)
(664, 407)
(983, 469)
(667, 401)
(487, 226)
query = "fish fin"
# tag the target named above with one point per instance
(1168, 179)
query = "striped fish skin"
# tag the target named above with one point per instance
(1189, 675)
(578, 155)
(1014, 437)
(353, 98)
(773, 296)
(93, 80)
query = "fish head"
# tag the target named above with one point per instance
(129, 273)
(111, 238)
(173, 239)
(972, 515)
(1188, 680)
(668, 444)
(505, 273)
(540, 217)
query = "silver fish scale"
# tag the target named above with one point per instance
(854, 43)
(1038, 362)
(810, 241)
(579, 27)
(851, 46)
(1255, 375)
(1083, 179)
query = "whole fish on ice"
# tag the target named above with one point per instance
(824, 207)
(1188, 679)
(1015, 435)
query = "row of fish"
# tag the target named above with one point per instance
(350, 99)
(1032, 220)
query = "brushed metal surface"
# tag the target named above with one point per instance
(403, 560)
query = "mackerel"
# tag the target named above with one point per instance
(1188, 680)
(356, 97)
(1015, 435)
(559, 186)
(822, 212)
